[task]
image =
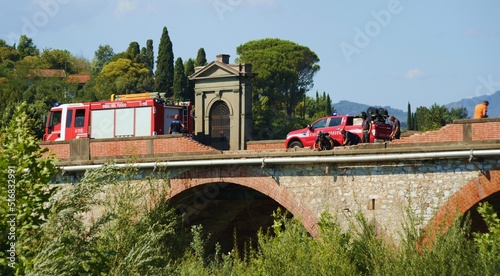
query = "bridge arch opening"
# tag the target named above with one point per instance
(477, 223)
(227, 211)
(484, 188)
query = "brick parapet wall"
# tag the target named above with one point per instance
(60, 150)
(179, 145)
(266, 145)
(123, 147)
(107, 148)
(448, 133)
(485, 131)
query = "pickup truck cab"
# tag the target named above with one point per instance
(306, 137)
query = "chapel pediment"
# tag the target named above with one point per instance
(215, 70)
(221, 68)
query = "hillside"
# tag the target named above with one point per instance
(347, 107)
(470, 103)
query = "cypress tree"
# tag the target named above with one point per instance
(180, 83)
(164, 75)
(133, 52)
(189, 70)
(329, 108)
(409, 121)
(201, 58)
(414, 121)
(147, 55)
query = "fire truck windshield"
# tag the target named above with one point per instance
(55, 118)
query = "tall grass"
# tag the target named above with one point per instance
(360, 250)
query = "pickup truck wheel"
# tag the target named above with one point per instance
(295, 144)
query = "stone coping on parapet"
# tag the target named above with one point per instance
(361, 149)
(475, 121)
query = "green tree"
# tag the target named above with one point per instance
(102, 57)
(437, 116)
(121, 77)
(409, 119)
(318, 107)
(26, 173)
(180, 80)
(329, 106)
(201, 58)
(26, 47)
(456, 113)
(285, 72)
(147, 56)
(164, 75)
(189, 70)
(126, 238)
(57, 59)
(8, 52)
(489, 243)
(134, 52)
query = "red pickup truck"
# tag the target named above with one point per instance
(306, 137)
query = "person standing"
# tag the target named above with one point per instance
(480, 111)
(366, 126)
(396, 127)
(176, 126)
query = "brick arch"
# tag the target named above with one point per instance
(251, 178)
(462, 201)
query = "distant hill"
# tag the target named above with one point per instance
(470, 103)
(347, 107)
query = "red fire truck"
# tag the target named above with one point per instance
(143, 114)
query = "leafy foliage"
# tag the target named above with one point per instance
(285, 73)
(189, 70)
(489, 243)
(22, 162)
(437, 116)
(180, 80)
(26, 47)
(360, 250)
(125, 238)
(201, 58)
(147, 55)
(122, 77)
(133, 52)
(102, 57)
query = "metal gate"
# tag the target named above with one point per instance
(219, 126)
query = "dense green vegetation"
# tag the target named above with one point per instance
(433, 118)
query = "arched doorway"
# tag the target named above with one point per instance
(219, 126)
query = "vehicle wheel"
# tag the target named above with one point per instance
(295, 144)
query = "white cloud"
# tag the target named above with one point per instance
(414, 74)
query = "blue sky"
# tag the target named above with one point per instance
(387, 52)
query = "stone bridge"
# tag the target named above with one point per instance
(434, 177)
